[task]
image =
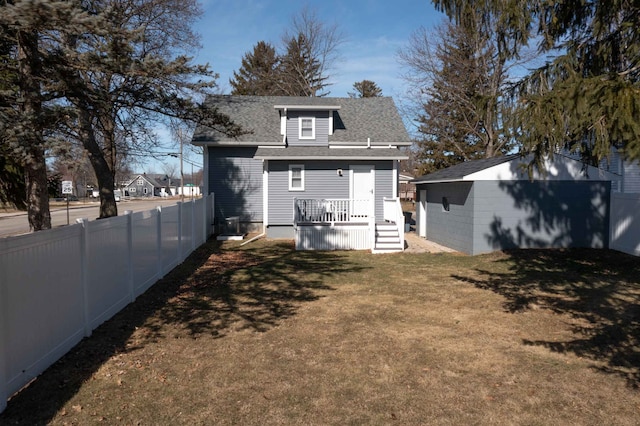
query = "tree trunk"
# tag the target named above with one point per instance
(37, 190)
(104, 174)
(35, 165)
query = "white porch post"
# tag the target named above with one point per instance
(395, 179)
(265, 195)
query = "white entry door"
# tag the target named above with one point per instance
(362, 187)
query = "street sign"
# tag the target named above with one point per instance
(67, 187)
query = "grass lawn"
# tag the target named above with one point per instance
(262, 334)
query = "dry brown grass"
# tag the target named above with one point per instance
(266, 335)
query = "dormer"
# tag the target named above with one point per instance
(306, 125)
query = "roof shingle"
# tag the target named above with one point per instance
(357, 119)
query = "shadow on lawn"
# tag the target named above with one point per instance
(599, 286)
(213, 292)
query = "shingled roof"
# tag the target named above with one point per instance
(357, 120)
(459, 171)
(559, 167)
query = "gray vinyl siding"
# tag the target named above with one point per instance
(453, 228)
(235, 178)
(384, 185)
(321, 181)
(538, 214)
(485, 216)
(322, 128)
(631, 177)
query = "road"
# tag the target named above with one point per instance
(16, 223)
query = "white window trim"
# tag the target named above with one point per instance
(296, 166)
(313, 127)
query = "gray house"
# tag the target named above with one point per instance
(321, 170)
(143, 185)
(493, 204)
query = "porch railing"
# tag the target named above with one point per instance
(392, 210)
(315, 210)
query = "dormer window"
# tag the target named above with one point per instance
(307, 126)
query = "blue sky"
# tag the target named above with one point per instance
(373, 32)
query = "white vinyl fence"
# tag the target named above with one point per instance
(624, 230)
(57, 286)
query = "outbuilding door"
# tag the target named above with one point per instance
(422, 213)
(362, 185)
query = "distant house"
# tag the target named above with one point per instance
(144, 185)
(407, 187)
(493, 204)
(320, 170)
(628, 170)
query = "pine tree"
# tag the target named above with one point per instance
(12, 181)
(365, 89)
(461, 78)
(587, 95)
(108, 71)
(28, 105)
(258, 74)
(300, 70)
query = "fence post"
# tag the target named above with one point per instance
(205, 218)
(3, 338)
(180, 259)
(132, 290)
(159, 241)
(84, 274)
(193, 225)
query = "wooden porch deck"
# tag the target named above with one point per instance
(343, 224)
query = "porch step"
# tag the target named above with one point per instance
(387, 238)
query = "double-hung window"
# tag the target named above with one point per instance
(296, 177)
(307, 126)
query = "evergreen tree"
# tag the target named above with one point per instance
(318, 42)
(12, 182)
(365, 89)
(300, 70)
(587, 95)
(101, 73)
(258, 74)
(461, 79)
(301, 65)
(28, 105)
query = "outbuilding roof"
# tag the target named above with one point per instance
(514, 167)
(356, 120)
(459, 171)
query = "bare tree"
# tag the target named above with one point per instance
(117, 100)
(318, 43)
(459, 80)
(101, 72)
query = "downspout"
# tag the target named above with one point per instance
(253, 239)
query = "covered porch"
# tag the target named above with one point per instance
(348, 224)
